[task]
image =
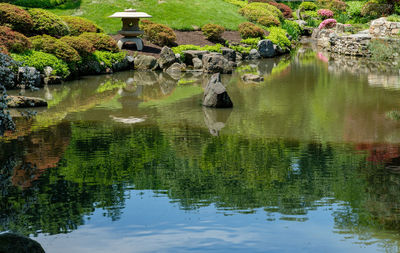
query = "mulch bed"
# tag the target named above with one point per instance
(182, 38)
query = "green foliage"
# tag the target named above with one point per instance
(254, 11)
(101, 41)
(109, 58)
(213, 32)
(336, 6)
(16, 18)
(308, 6)
(83, 46)
(45, 22)
(342, 18)
(393, 18)
(13, 41)
(59, 48)
(241, 49)
(179, 49)
(110, 85)
(39, 3)
(250, 30)
(78, 25)
(292, 28)
(374, 9)
(313, 22)
(278, 36)
(268, 21)
(251, 41)
(312, 14)
(239, 3)
(40, 60)
(160, 35)
(354, 8)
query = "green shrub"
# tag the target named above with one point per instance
(307, 14)
(286, 10)
(292, 28)
(83, 46)
(78, 25)
(354, 8)
(278, 36)
(253, 42)
(239, 3)
(13, 41)
(241, 49)
(101, 41)
(250, 30)
(393, 18)
(254, 11)
(40, 60)
(109, 58)
(39, 3)
(51, 45)
(213, 32)
(308, 6)
(313, 22)
(375, 9)
(334, 5)
(45, 22)
(18, 19)
(144, 23)
(268, 21)
(160, 35)
(382, 50)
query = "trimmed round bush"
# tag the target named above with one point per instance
(308, 6)
(18, 19)
(375, 9)
(45, 22)
(254, 11)
(83, 46)
(335, 5)
(327, 23)
(13, 41)
(250, 30)
(40, 60)
(268, 21)
(144, 23)
(286, 10)
(325, 13)
(309, 14)
(101, 41)
(278, 36)
(213, 32)
(51, 45)
(160, 35)
(78, 25)
(39, 3)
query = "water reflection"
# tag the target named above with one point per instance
(308, 149)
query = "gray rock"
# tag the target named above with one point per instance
(216, 63)
(254, 55)
(229, 54)
(126, 64)
(47, 71)
(167, 58)
(175, 71)
(215, 94)
(18, 244)
(29, 76)
(145, 62)
(197, 63)
(301, 23)
(52, 80)
(266, 48)
(252, 78)
(279, 50)
(190, 54)
(25, 102)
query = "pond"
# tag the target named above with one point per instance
(306, 161)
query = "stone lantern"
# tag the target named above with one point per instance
(130, 27)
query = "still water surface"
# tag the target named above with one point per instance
(305, 162)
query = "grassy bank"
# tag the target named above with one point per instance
(178, 14)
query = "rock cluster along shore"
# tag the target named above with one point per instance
(337, 41)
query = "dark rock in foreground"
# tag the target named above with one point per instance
(13, 243)
(167, 58)
(25, 102)
(266, 48)
(215, 94)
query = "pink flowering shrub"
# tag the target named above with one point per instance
(325, 13)
(327, 23)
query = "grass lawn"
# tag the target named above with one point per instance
(178, 14)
